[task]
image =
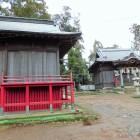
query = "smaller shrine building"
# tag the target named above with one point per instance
(114, 67)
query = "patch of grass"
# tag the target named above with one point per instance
(79, 115)
(40, 118)
(77, 93)
(62, 118)
(130, 90)
(114, 91)
(136, 96)
(98, 92)
(88, 113)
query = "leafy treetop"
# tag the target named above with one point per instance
(28, 8)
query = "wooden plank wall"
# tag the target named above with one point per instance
(104, 76)
(18, 58)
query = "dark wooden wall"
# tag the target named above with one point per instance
(22, 58)
(104, 76)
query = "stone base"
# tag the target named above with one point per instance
(1, 111)
(136, 95)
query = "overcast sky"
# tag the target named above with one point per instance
(105, 20)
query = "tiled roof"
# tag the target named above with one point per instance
(38, 26)
(115, 54)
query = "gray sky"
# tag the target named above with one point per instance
(105, 20)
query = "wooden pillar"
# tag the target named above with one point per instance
(5, 58)
(128, 73)
(27, 99)
(58, 65)
(102, 76)
(121, 78)
(51, 98)
(138, 72)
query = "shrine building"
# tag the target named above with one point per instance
(114, 67)
(30, 50)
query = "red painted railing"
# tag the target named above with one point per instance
(26, 93)
(37, 78)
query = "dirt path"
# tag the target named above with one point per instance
(120, 115)
(120, 120)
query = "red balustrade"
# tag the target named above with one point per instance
(28, 93)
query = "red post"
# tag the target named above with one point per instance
(27, 99)
(61, 92)
(50, 78)
(27, 79)
(51, 97)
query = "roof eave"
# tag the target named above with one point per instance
(73, 34)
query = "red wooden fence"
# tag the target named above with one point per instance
(19, 93)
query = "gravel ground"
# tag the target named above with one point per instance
(120, 119)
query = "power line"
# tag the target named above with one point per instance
(125, 18)
(115, 20)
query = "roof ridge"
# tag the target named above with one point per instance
(114, 48)
(26, 20)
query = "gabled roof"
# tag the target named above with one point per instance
(41, 28)
(38, 26)
(115, 54)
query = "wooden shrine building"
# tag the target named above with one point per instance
(30, 79)
(114, 67)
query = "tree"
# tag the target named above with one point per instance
(76, 63)
(135, 29)
(92, 55)
(27, 8)
(115, 46)
(66, 21)
(97, 44)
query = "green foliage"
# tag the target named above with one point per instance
(97, 44)
(66, 21)
(4, 11)
(92, 55)
(29, 9)
(63, 70)
(77, 64)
